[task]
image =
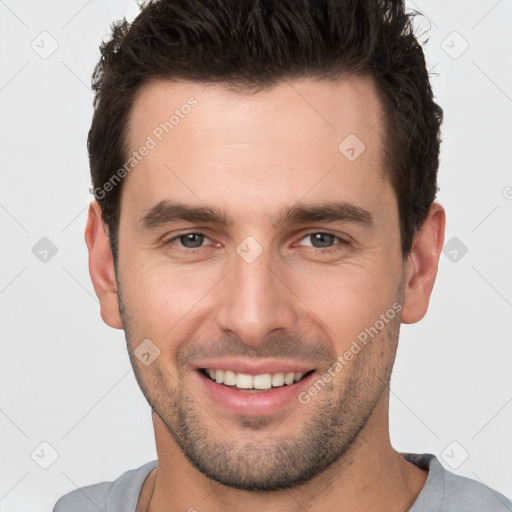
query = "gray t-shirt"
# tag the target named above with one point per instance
(443, 492)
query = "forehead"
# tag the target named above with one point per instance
(324, 106)
(299, 137)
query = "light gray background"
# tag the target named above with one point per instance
(66, 378)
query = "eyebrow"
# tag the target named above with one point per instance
(334, 211)
(167, 212)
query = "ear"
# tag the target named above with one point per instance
(421, 265)
(101, 267)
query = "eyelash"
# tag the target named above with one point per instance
(323, 250)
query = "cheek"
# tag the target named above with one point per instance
(347, 300)
(160, 297)
(166, 301)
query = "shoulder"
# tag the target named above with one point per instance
(92, 498)
(473, 495)
(119, 495)
(447, 492)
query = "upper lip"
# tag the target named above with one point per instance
(253, 366)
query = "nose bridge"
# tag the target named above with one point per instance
(255, 301)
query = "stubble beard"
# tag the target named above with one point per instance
(251, 457)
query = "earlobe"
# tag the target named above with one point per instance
(421, 265)
(101, 267)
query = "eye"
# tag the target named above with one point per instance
(188, 240)
(322, 240)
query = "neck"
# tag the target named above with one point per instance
(370, 475)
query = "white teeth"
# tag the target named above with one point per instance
(262, 381)
(278, 379)
(246, 381)
(243, 381)
(288, 378)
(229, 378)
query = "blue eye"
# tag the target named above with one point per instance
(192, 240)
(189, 240)
(318, 240)
(321, 240)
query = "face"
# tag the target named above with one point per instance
(259, 247)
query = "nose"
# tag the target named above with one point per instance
(256, 299)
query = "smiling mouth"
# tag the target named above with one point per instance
(253, 383)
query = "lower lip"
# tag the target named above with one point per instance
(258, 403)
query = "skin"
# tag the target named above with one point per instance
(253, 155)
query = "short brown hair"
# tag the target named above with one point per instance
(254, 44)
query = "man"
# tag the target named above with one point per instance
(264, 219)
